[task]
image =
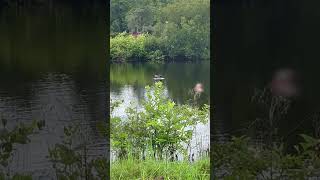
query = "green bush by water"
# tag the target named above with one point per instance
(157, 131)
(125, 47)
(147, 142)
(145, 47)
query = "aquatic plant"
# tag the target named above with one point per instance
(9, 138)
(70, 159)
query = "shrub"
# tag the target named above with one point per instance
(238, 159)
(158, 130)
(124, 47)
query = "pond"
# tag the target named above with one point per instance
(128, 81)
(52, 68)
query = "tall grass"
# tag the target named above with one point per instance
(152, 169)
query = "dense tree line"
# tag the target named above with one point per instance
(174, 28)
(51, 3)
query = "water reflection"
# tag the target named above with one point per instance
(180, 78)
(52, 68)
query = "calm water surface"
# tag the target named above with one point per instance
(52, 68)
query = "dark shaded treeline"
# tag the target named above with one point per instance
(38, 40)
(35, 41)
(37, 33)
(52, 3)
(252, 40)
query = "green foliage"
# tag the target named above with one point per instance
(310, 149)
(124, 47)
(238, 159)
(118, 134)
(184, 27)
(119, 137)
(9, 138)
(100, 166)
(70, 160)
(118, 9)
(179, 28)
(140, 19)
(66, 161)
(151, 169)
(158, 130)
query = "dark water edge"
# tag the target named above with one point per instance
(181, 59)
(53, 68)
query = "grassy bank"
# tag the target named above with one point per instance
(151, 169)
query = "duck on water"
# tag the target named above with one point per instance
(158, 77)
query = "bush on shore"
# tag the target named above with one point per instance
(126, 47)
(143, 47)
